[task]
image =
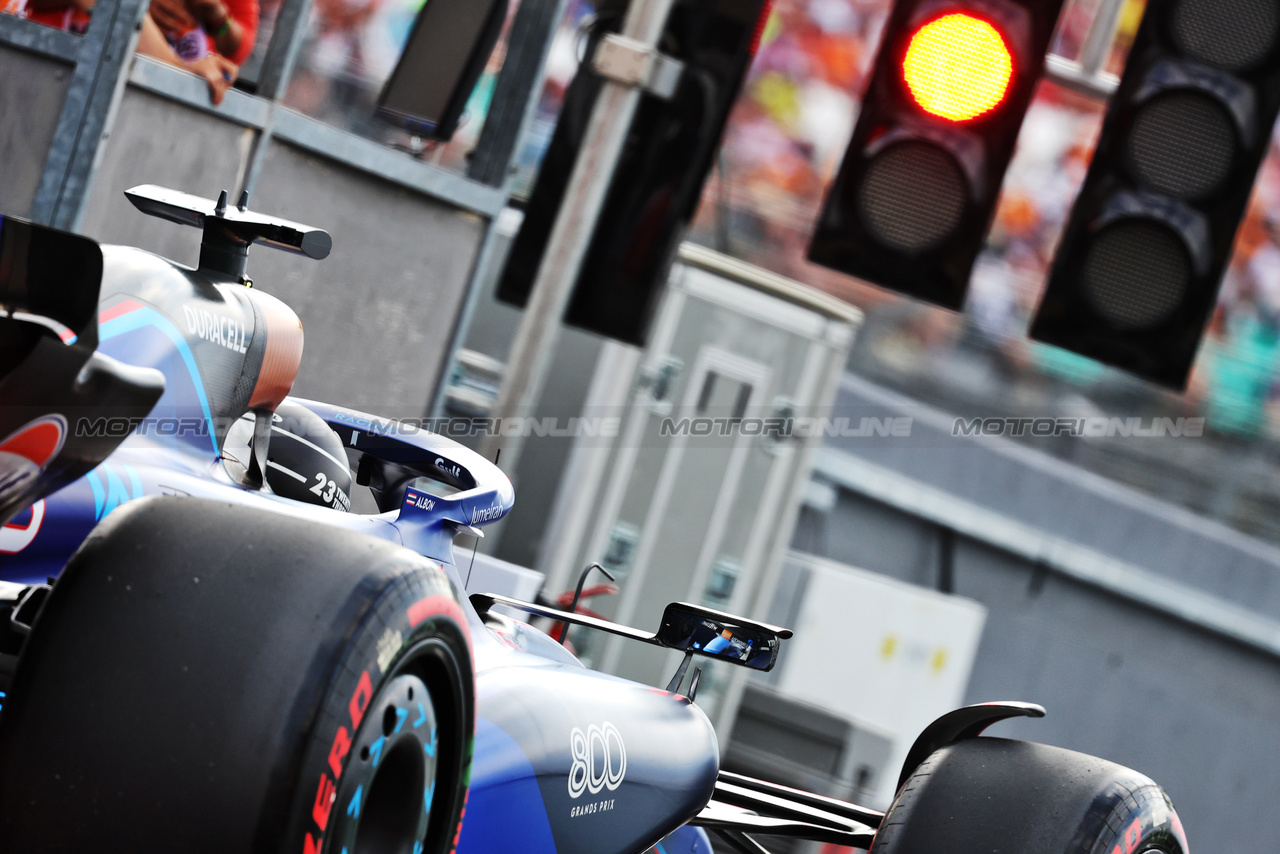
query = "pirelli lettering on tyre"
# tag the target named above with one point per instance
(327, 790)
(599, 761)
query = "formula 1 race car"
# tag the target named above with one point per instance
(203, 649)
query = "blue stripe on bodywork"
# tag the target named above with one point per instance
(504, 808)
(109, 497)
(140, 317)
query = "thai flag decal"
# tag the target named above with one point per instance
(418, 501)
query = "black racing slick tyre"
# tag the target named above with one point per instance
(987, 795)
(206, 677)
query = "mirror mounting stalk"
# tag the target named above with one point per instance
(686, 627)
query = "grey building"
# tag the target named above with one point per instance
(1151, 635)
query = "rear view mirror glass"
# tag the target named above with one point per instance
(701, 630)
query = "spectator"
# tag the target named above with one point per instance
(198, 27)
(218, 71)
(70, 15)
(205, 37)
(347, 57)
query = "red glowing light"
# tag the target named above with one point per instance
(958, 67)
(762, 21)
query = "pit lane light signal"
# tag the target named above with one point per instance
(917, 189)
(669, 150)
(1147, 242)
(957, 48)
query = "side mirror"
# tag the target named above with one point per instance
(692, 628)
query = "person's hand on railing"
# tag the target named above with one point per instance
(218, 71)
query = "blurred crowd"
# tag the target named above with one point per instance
(784, 143)
(209, 38)
(350, 49)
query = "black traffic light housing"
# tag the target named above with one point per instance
(1137, 272)
(916, 192)
(658, 179)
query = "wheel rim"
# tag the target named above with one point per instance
(383, 804)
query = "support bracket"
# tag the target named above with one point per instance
(634, 64)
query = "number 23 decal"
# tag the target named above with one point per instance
(324, 487)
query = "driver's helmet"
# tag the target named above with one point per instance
(305, 459)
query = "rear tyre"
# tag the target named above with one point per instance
(982, 795)
(208, 677)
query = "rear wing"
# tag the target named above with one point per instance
(50, 375)
(51, 278)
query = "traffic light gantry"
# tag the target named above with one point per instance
(917, 189)
(1137, 273)
(670, 147)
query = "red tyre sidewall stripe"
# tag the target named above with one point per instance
(435, 606)
(421, 611)
(1179, 832)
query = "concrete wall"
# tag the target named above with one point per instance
(1195, 710)
(378, 312)
(30, 104)
(1063, 500)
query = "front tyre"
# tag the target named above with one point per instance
(386, 774)
(981, 795)
(206, 677)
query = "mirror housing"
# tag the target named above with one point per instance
(715, 634)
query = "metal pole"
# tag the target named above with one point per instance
(97, 86)
(289, 32)
(515, 101)
(535, 341)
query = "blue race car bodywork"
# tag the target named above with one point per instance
(124, 375)
(565, 759)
